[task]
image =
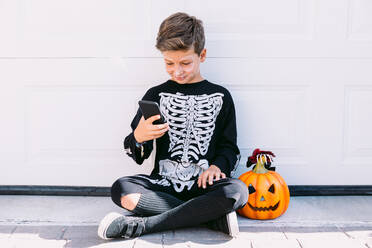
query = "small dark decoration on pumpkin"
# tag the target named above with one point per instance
(268, 192)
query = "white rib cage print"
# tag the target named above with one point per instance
(192, 120)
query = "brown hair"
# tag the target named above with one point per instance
(181, 32)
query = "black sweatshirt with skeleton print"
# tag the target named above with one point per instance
(202, 132)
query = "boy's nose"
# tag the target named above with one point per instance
(178, 71)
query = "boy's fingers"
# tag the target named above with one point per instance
(159, 132)
(204, 182)
(223, 175)
(200, 179)
(217, 176)
(160, 126)
(211, 176)
(153, 118)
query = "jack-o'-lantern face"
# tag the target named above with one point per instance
(268, 195)
(267, 201)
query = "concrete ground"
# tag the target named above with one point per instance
(71, 221)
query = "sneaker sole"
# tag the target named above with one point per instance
(232, 222)
(104, 224)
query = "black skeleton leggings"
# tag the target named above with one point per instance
(168, 209)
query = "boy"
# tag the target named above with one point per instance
(195, 149)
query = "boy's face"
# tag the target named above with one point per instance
(184, 66)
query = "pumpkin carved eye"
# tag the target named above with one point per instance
(272, 189)
(251, 189)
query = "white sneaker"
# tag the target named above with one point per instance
(115, 225)
(227, 224)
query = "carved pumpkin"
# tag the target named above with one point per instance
(268, 192)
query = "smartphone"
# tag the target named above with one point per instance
(150, 108)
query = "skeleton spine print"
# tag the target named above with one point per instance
(192, 120)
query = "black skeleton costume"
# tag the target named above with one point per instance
(202, 132)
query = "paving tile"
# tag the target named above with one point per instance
(219, 243)
(368, 242)
(154, 236)
(261, 232)
(331, 242)
(279, 243)
(139, 243)
(7, 243)
(6, 231)
(313, 232)
(82, 236)
(357, 232)
(129, 243)
(197, 233)
(26, 243)
(80, 232)
(39, 232)
(83, 242)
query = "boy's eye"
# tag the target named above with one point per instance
(182, 63)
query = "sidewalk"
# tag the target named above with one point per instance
(71, 221)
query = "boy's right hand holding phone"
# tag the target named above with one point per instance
(147, 131)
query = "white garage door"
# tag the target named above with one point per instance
(71, 72)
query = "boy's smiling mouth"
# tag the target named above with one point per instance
(181, 78)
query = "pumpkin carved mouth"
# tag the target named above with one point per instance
(272, 208)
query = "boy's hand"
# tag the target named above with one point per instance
(209, 174)
(147, 131)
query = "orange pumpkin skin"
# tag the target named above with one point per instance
(270, 198)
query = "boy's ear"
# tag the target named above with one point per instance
(203, 55)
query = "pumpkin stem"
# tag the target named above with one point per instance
(260, 165)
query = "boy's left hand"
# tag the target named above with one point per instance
(208, 175)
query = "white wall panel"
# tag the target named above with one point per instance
(357, 125)
(71, 73)
(360, 20)
(283, 106)
(249, 19)
(86, 20)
